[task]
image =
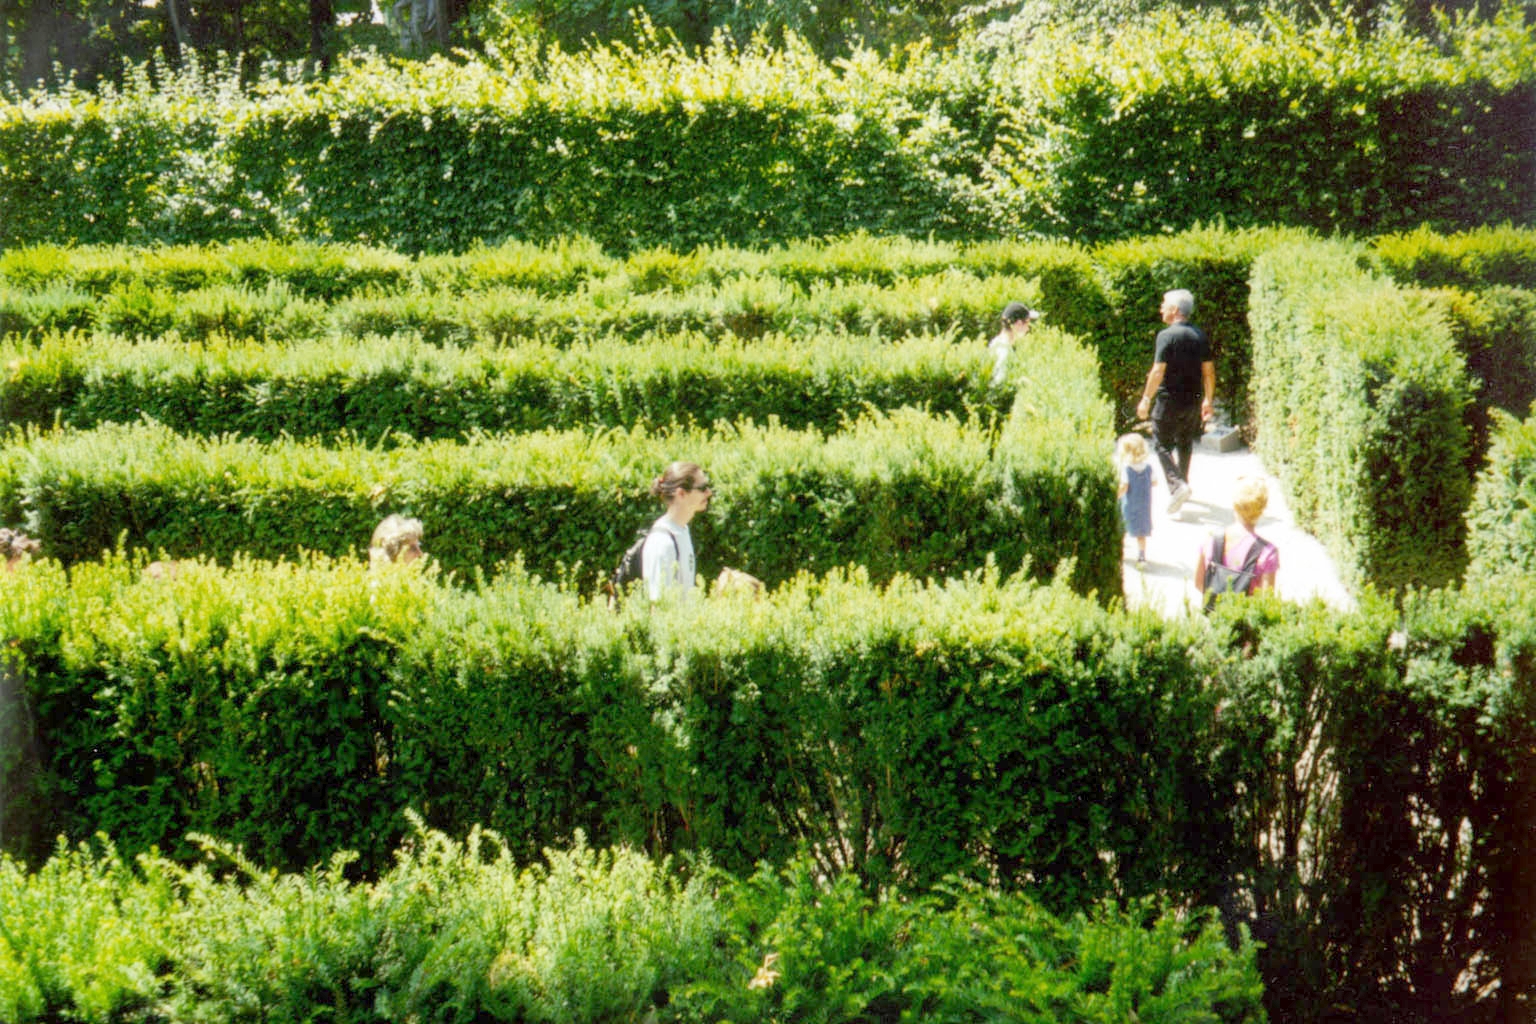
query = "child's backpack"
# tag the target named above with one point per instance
(1219, 579)
(631, 565)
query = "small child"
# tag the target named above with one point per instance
(1135, 491)
(396, 540)
(16, 548)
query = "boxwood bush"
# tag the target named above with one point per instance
(1361, 399)
(1322, 776)
(396, 390)
(459, 931)
(1501, 523)
(899, 492)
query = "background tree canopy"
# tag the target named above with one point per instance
(50, 41)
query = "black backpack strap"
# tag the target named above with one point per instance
(1249, 568)
(1260, 545)
(1250, 561)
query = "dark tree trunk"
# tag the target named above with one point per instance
(44, 39)
(322, 18)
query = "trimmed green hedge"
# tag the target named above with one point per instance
(1486, 280)
(622, 146)
(1053, 462)
(903, 492)
(1375, 733)
(309, 270)
(747, 307)
(297, 709)
(1214, 264)
(396, 390)
(464, 931)
(1361, 400)
(1494, 328)
(565, 293)
(1469, 260)
(1153, 129)
(1188, 118)
(1093, 293)
(1296, 765)
(1501, 523)
(562, 266)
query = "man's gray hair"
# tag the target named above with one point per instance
(1183, 298)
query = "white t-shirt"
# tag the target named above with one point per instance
(1001, 347)
(668, 570)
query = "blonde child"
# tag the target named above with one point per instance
(16, 548)
(1249, 499)
(396, 540)
(1135, 468)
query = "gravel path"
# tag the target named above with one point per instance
(1167, 582)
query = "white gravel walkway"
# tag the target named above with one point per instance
(1167, 583)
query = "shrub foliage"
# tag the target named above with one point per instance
(903, 492)
(1361, 400)
(1155, 128)
(465, 931)
(1353, 789)
(1322, 776)
(1501, 522)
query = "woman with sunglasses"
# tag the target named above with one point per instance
(667, 562)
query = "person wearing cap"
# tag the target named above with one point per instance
(1017, 319)
(1179, 393)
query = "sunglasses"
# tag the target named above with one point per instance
(705, 486)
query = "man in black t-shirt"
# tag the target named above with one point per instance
(1182, 382)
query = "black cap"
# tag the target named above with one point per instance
(1018, 311)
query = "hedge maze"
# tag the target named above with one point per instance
(940, 682)
(938, 756)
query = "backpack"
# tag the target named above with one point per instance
(631, 565)
(1219, 579)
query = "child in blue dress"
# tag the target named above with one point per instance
(1135, 468)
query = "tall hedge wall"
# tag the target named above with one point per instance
(1189, 118)
(632, 149)
(1361, 400)
(1151, 130)
(1501, 522)
(397, 390)
(903, 492)
(1325, 777)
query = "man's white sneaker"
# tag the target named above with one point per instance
(1180, 496)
